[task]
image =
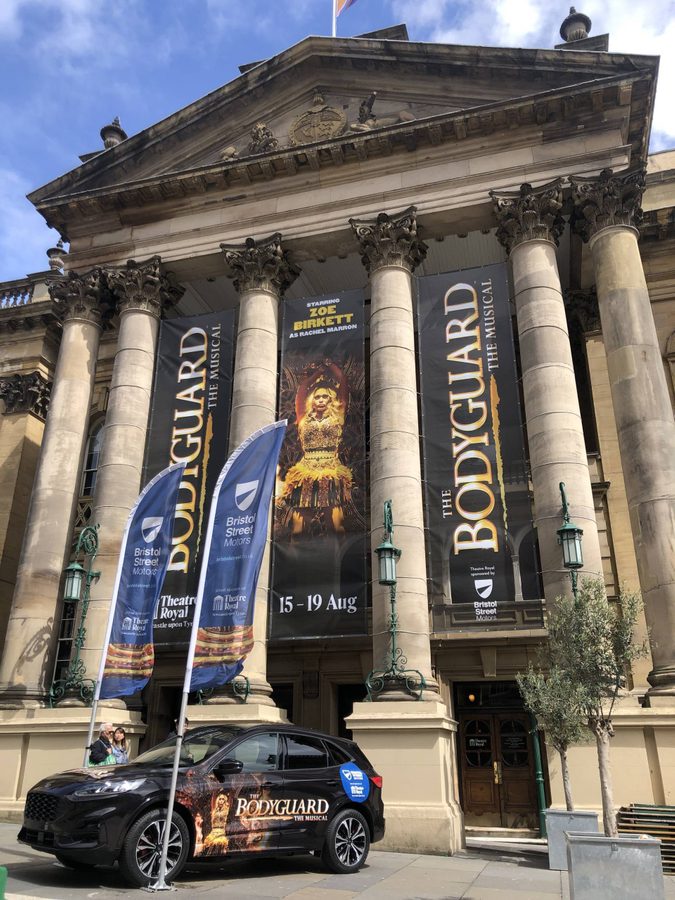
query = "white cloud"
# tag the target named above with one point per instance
(645, 28)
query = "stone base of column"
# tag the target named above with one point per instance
(74, 703)
(260, 694)
(244, 714)
(662, 681)
(412, 746)
(12, 701)
(397, 691)
(35, 743)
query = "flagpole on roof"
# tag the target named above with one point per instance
(334, 18)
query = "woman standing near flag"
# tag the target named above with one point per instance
(120, 746)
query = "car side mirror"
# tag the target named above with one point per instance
(228, 767)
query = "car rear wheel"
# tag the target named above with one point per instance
(347, 842)
(142, 849)
(73, 863)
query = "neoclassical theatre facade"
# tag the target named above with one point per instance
(452, 269)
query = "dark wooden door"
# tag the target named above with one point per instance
(517, 788)
(480, 792)
(498, 785)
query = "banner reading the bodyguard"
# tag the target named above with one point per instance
(320, 541)
(144, 555)
(233, 552)
(190, 422)
(478, 507)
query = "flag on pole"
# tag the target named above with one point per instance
(342, 5)
(339, 6)
(129, 650)
(222, 631)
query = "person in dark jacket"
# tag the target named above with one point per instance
(103, 746)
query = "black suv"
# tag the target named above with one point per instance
(263, 790)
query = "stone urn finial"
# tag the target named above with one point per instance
(576, 26)
(113, 134)
(55, 256)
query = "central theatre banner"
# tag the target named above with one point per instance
(189, 422)
(481, 545)
(320, 546)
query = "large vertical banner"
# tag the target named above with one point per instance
(478, 507)
(320, 549)
(189, 423)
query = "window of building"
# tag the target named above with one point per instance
(91, 460)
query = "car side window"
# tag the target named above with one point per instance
(305, 753)
(258, 753)
(337, 756)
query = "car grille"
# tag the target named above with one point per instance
(41, 807)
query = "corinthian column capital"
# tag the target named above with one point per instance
(81, 296)
(25, 393)
(142, 286)
(529, 214)
(260, 265)
(607, 200)
(390, 240)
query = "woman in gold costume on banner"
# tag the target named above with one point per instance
(318, 486)
(216, 841)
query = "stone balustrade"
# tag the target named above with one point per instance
(16, 293)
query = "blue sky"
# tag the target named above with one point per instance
(70, 66)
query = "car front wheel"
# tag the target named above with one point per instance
(347, 842)
(142, 850)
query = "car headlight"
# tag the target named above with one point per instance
(108, 787)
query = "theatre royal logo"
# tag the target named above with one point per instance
(244, 494)
(483, 587)
(150, 528)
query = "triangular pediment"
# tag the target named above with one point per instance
(326, 90)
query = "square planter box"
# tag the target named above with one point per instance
(558, 821)
(623, 867)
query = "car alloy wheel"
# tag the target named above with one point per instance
(142, 852)
(149, 848)
(347, 842)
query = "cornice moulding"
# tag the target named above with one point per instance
(498, 118)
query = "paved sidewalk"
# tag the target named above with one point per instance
(386, 876)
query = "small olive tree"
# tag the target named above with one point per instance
(593, 647)
(556, 703)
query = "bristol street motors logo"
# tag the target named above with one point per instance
(483, 587)
(150, 528)
(244, 494)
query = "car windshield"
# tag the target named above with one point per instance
(198, 745)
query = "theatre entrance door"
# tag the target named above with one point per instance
(496, 762)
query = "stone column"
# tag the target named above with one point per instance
(25, 671)
(25, 398)
(530, 224)
(607, 210)
(262, 272)
(141, 291)
(391, 250)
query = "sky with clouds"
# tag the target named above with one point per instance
(70, 66)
